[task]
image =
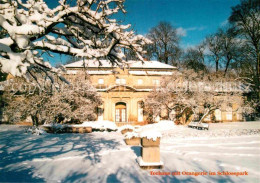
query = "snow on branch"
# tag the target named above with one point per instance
(84, 30)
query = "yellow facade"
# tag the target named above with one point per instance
(123, 90)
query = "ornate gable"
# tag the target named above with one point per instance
(121, 88)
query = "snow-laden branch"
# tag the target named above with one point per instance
(178, 95)
(84, 30)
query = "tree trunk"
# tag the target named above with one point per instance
(258, 61)
(228, 62)
(35, 120)
(216, 65)
(257, 70)
(205, 115)
(258, 65)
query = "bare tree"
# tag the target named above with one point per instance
(194, 93)
(230, 47)
(245, 19)
(165, 45)
(54, 103)
(84, 29)
(194, 58)
(242, 63)
(215, 51)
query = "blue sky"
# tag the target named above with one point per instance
(195, 19)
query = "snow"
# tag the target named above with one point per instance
(90, 63)
(133, 64)
(151, 135)
(124, 127)
(104, 157)
(97, 125)
(55, 125)
(168, 73)
(142, 163)
(130, 135)
(149, 64)
(71, 72)
(101, 125)
(161, 126)
(137, 72)
(36, 131)
(33, 25)
(159, 73)
(99, 72)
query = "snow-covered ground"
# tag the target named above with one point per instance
(104, 157)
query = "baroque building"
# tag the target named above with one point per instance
(122, 90)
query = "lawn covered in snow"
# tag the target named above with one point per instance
(104, 157)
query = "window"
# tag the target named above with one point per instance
(239, 114)
(120, 81)
(117, 81)
(140, 81)
(140, 111)
(218, 115)
(229, 114)
(100, 81)
(123, 81)
(120, 113)
(100, 113)
(156, 82)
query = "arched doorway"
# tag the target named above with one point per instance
(121, 115)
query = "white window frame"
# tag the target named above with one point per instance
(123, 81)
(229, 114)
(120, 81)
(218, 115)
(140, 112)
(140, 81)
(100, 113)
(101, 81)
(156, 82)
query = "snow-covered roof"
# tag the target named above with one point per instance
(149, 65)
(139, 73)
(99, 72)
(94, 72)
(131, 64)
(72, 72)
(90, 63)
(159, 73)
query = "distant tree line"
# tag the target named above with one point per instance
(232, 50)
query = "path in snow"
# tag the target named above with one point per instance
(103, 157)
